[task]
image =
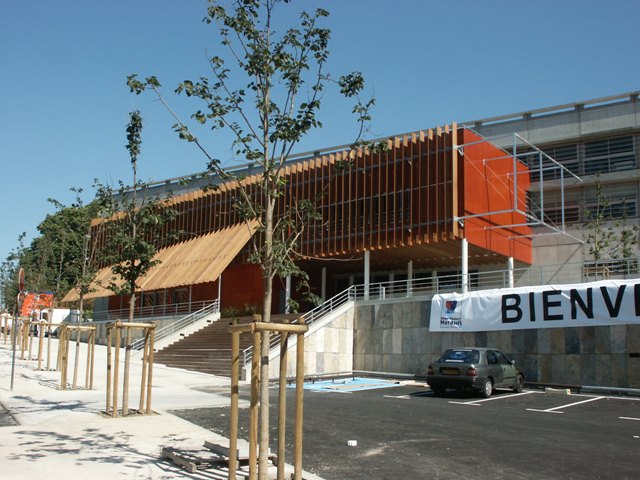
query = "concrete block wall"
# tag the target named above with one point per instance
(395, 337)
(328, 347)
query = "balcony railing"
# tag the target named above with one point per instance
(152, 311)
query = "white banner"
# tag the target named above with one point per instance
(610, 302)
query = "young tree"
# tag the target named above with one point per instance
(624, 247)
(268, 95)
(70, 225)
(133, 224)
(598, 236)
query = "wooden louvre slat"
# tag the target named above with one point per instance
(191, 262)
(406, 195)
(98, 286)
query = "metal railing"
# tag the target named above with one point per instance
(180, 324)
(165, 310)
(309, 318)
(429, 286)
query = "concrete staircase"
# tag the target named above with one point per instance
(208, 350)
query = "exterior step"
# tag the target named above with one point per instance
(207, 350)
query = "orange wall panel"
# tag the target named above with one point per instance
(488, 179)
(242, 285)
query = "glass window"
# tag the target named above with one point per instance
(609, 155)
(502, 358)
(621, 202)
(148, 299)
(180, 295)
(566, 155)
(460, 356)
(551, 211)
(492, 358)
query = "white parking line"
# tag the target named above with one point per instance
(629, 418)
(403, 397)
(477, 403)
(556, 409)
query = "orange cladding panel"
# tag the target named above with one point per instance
(489, 186)
(242, 286)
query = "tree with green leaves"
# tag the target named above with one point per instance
(133, 223)
(267, 93)
(625, 246)
(598, 236)
(73, 267)
(53, 259)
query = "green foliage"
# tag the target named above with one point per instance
(134, 136)
(9, 276)
(246, 310)
(70, 226)
(625, 246)
(604, 238)
(598, 236)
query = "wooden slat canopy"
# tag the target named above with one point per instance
(194, 261)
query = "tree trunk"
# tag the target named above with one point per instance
(127, 358)
(263, 458)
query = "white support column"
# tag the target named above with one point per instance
(323, 286)
(165, 297)
(410, 278)
(287, 293)
(219, 291)
(465, 265)
(367, 273)
(510, 272)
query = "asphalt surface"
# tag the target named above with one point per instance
(408, 432)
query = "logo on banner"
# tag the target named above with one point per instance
(451, 316)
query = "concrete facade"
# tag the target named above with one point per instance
(578, 127)
(328, 347)
(395, 337)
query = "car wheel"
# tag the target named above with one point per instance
(487, 388)
(438, 391)
(519, 384)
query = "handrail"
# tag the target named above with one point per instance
(309, 318)
(178, 325)
(429, 286)
(163, 310)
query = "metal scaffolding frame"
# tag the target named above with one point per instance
(542, 163)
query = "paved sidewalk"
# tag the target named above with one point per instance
(62, 433)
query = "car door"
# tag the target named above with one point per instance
(508, 369)
(495, 369)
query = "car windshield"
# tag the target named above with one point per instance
(460, 356)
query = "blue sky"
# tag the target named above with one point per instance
(64, 104)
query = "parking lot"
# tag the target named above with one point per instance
(406, 431)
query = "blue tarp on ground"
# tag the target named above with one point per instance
(348, 385)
